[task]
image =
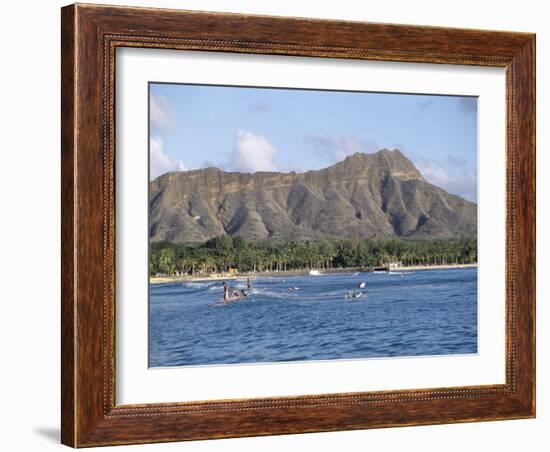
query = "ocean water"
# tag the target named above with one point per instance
(425, 312)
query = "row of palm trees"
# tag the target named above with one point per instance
(224, 253)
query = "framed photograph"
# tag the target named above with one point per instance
(282, 225)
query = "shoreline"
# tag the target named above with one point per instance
(252, 275)
(222, 277)
(432, 267)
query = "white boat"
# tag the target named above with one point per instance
(362, 285)
(314, 273)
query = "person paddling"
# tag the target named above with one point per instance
(225, 293)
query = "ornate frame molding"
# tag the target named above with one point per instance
(90, 37)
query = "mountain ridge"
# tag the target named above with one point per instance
(381, 194)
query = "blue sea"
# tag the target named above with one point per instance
(297, 318)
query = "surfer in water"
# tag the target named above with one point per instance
(350, 295)
(225, 293)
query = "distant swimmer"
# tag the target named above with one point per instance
(248, 285)
(225, 293)
(243, 293)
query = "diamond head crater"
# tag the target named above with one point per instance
(367, 211)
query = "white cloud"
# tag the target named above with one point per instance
(433, 172)
(456, 161)
(160, 112)
(463, 184)
(159, 161)
(252, 153)
(337, 147)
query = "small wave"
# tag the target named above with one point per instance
(272, 294)
(198, 285)
(403, 273)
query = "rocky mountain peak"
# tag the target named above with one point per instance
(380, 194)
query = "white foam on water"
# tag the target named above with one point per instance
(198, 285)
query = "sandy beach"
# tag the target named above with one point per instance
(227, 276)
(188, 278)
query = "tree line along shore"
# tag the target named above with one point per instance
(226, 255)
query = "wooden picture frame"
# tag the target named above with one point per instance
(90, 36)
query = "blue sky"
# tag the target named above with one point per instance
(267, 129)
